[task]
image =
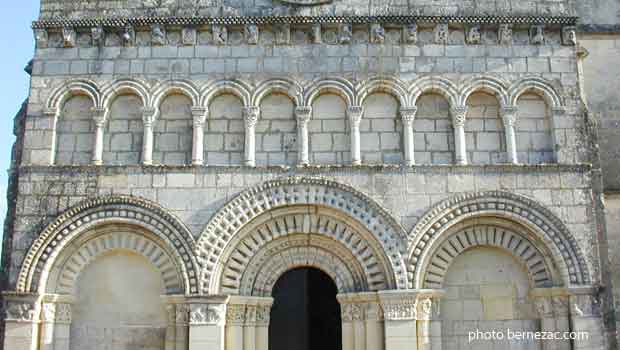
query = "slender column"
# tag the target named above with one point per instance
(586, 318)
(362, 321)
(429, 322)
(235, 318)
(176, 327)
(552, 307)
(408, 116)
(355, 117)
(400, 315)
(207, 323)
(303, 115)
(181, 340)
(458, 122)
(99, 118)
(250, 117)
(52, 116)
(21, 327)
(509, 118)
(55, 322)
(148, 118)
(200, 115)
(263, 310)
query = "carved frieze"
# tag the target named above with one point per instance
(17, 311)
(207, 314)
(398, 311)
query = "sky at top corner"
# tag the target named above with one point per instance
(17, 42)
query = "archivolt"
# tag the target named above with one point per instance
(541, 224)
(89, 214)
(287, 87)
(166, 88)
(490, 85)
(71, 88)
(439, 85)
(473, 236)
(234, 87)
(539, 86)
(392, 86)
(333, 233)
(249, 205)
(122, 86)
(63, 277)
(340, 87)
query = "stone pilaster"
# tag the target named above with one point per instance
(509, 119)
(148, 118)
(207, 322)
(250, 117)
(355, 117)
(400, 318)
(21, 317)
(429, 321)
(362, 321)
(303, 115)
(586, 318)
(458, 122)
(56, 311)
(51, 117)
(199, 115)
(408, 116)
(177, 320)
(99, 118)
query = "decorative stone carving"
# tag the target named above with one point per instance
(441, 33)
(408, 114)
(560, 305)
(410, 33)
(182, 312)
(220, 34)
(345, 33)
(128, 37)
(158, 34)
(207, 314)
(425, 308)
(537, 34)
(188, 36)
(458, 115)
(262, 314)
(543, 307)
(377, 33)
(398, 311)
(316, 34)
(251, 34)
(235, 314)
(17, 311)
(474, 35)
(41, 37)
(352, 312)
(63, 313)
(68, 36)
(48, 312)
(283, 34)
(504, 34)
(98, 36)
(569, 36)
(583, 305)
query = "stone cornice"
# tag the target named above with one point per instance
(121, 22)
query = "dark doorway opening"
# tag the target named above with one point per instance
(305, 314)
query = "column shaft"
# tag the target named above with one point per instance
(250, 116)
(200, 115)
(458, 122)
(509, 117)
(303, 114)
(148, 118)
(408, 116)
(355, 117)
(99, 117)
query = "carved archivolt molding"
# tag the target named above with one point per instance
(303, 94)
(116, 238)
(485, 235)
(541, 224)
(217, 241)
(165, 227)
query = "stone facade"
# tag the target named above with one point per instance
(176, 158)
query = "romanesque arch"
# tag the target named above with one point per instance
(309, 206)
(539, 228)
(159, 230)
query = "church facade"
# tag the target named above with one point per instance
(308, 174)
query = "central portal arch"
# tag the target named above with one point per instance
(305, 314)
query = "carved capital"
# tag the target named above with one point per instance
(19, 311)
(181, 314)
(408, 114)
(398, 311)
(199, 115)
(250, 116)
(352, 312)
(68, 36)
(584, 305)
(543, 307)
(262, 314)
(158, 34)
(537, 34)
(509, 115)
(355, 115)
(441, 33)
(251, 34)
(148, 116)
(235, 314)
(560, 305)
(504, 34)
(458, 115)
(303, 113)
(207, 314)
(410, 33)
(569, 35)
(128, 36)
(188, 36)
(424, 308)
(377, 33)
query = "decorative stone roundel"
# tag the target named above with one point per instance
(319, 192)
(482, 235)
(107, 210)
(541, 223)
